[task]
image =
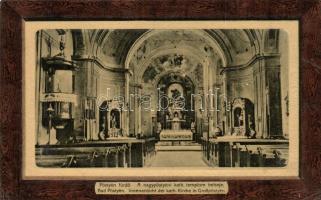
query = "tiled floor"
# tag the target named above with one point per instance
(178, 159)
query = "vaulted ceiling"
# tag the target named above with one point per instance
(231, 45)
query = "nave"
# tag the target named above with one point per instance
(140, 97)
(178, 159)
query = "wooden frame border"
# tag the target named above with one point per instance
(14, 12)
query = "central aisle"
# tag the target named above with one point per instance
(178, 159)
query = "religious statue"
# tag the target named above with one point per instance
(159, 127)
(102, 134)
(113, 121)
(53, 136)
(113, 124)
(176, 122)
(240, 119)
(175, 116)
(252, 134)
(193, 130)
(218, 131)
(193, 126)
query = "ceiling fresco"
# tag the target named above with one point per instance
(171, 62)
(114, 45)
(151, 54)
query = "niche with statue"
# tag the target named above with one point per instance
(242, 117)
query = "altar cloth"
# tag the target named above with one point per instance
(176, 135)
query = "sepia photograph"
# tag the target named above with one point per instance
(163, 98)
(179, 99)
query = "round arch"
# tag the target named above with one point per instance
(199, 33)
(165, 50)
(175, 100)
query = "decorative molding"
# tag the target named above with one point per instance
(252, 61)
(100, 64)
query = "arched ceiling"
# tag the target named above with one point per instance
(118, 43)
(113, 46)
(239, 40)
(183, 42)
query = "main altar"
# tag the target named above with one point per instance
(176, 132)
(175, 120)
(171, 135)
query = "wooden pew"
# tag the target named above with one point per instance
(112, 153)
(243, 152)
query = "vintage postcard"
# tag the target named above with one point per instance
(161, 100)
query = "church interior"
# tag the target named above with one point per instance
(162, 98)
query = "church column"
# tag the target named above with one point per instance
(205, 99)
(137, 108)
(211, 95)
(217, 91)
(226, 107)
(139, 112)
(126, 105)
(267, 99)
(273, 97)
(199, 107)
(108, 122)
(259, 110)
